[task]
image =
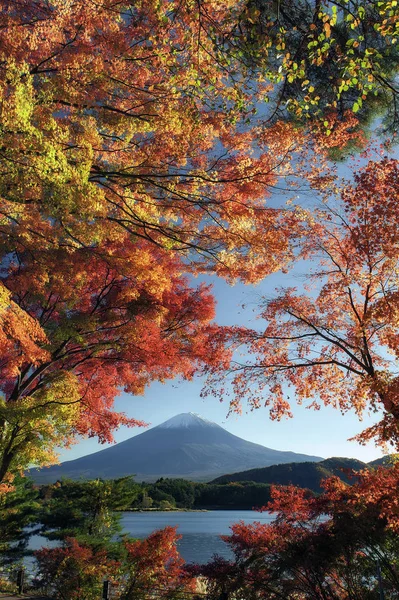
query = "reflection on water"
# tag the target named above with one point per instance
(200, 531)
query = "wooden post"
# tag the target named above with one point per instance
(106, 590)
(20, 581)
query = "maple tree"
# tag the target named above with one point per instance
(154, 565)
(124, 164)
(74, 571)
(106, 325)
(77, 571)
(335, 341)
(82, 517)
(102, 157)
(326, 547)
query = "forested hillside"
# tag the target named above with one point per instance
(245, 490)
(305, 475)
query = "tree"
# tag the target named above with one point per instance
(324, 59)
(148, 566)
(158, 160)
(19, 511)
(75, 571)
(325, 547)
(129, 156)
(86, 511)
(334, 343)
(107, 326)
(125, 164)
(154, 565)
(82, 517)
(220, 577)
(184, 492)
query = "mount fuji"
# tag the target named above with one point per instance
(186, 446)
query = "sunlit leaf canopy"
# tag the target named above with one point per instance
(121, 123)
(333, 341)
(324, 58)
(123, 166)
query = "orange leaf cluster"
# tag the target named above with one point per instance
(335, 342)
(125, 163)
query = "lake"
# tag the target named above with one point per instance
(200, 530)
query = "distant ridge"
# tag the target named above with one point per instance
(186, 446)
(384, 460)
(305, 475)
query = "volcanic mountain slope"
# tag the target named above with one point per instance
(185, 446)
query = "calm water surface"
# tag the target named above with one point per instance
(200, 530)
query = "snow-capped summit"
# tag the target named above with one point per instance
(187, 420)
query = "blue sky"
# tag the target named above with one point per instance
(321, 433)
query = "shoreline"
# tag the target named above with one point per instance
(194, 510)
(164, 510)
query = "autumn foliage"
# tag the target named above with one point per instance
(74, 572)
(335, 340)
(328, 547)
(130, 156)
(124, 165)
(154, 565)
(139, 143)
(339, 57)
(132, 159)
(149, 566)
